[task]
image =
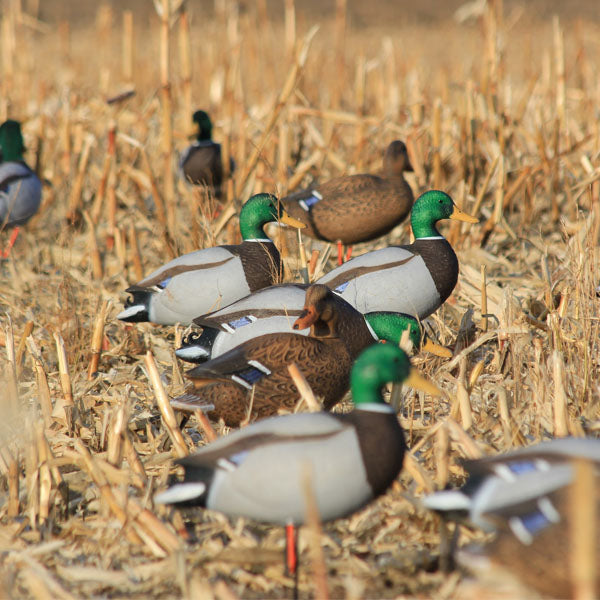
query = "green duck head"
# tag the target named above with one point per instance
(431, 207)
(378, 365)
(259, 210)
(390, 326)
(204, 125)
(11, 141)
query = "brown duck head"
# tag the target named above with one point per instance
(319, 313)
(395, 160)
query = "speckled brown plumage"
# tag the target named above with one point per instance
(325, 363)
(346, 322)
(357, 208)
(338, 334)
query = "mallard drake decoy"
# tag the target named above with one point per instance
(356, 208)
(253, 378)
(270, 310)
(201, 162)
(415, 278)
(260, 471)
(523, 496)
(20, 187)
(257, 314)
(202, 281)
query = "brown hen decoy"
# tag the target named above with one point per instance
(356, 208)
(252, 379)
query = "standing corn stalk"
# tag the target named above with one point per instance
(163, 9)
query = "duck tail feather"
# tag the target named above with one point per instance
(181, 492)
(137, 307)
(191, 402)
(448, 501)
(198, 348)
(193, 353)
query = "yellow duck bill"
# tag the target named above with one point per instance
(286, 219)
(459, 215)
(418, 382)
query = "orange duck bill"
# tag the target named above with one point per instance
(308, 317)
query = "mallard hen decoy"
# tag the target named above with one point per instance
(253, 379)
(523, 495)
(356, 208)
(260, 471)
(20, 187)
(202, 281)
(201, 163)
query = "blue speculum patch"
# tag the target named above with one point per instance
(522, 467)
(534, 522)
(340, 288)
(238, 458)
(307, 203)
(164, 283)
(251, 375)
(241, 322)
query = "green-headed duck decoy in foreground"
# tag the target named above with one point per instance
(201, 162)
(261, 471)
(20, 187)
(255, 315)
(253, 380)
(356, 208)
(202, 281)
(415, 278)
(525, 496)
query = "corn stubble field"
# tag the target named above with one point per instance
(500, 111)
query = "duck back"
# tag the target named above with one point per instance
(20, 193)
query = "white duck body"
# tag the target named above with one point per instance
(182, 285)
(270, 310)
(206, 280)
(408, 288)
(261, 471)
(20, 193)
(390, 279)
(414, 279)
(240, 481)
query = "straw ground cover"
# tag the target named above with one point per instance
(500, 111)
